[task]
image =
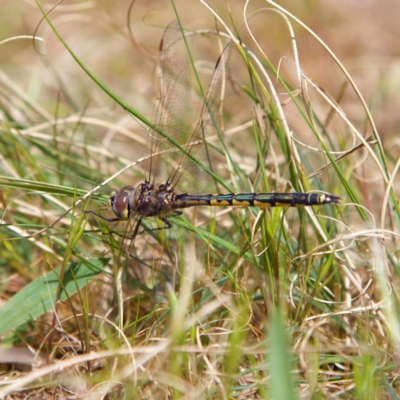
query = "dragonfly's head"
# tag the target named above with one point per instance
(121, 202)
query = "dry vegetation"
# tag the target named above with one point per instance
(282, 304)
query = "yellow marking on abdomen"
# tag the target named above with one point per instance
(216, 202)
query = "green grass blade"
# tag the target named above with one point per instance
(39, 296)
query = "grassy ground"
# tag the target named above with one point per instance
(228, 303)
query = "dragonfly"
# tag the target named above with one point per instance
(149, 199)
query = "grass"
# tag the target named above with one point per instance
(228, 303)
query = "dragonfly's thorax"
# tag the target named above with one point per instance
(151, 202)
(145, 200)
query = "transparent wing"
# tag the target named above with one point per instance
(172, 102)
(188, 163)
(206, 144)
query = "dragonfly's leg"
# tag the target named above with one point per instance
(115, 219)
(167, 225)
(125, 235)
(134, 233)
(136, 228)
(175, 213)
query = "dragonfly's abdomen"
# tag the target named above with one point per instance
(254, 200)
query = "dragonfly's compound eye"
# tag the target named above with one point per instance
(122, 202)
(119, 204)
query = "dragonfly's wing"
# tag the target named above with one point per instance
(206, 143)
(172, 102)
(174, 158)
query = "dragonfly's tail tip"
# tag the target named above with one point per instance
(331, 199)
